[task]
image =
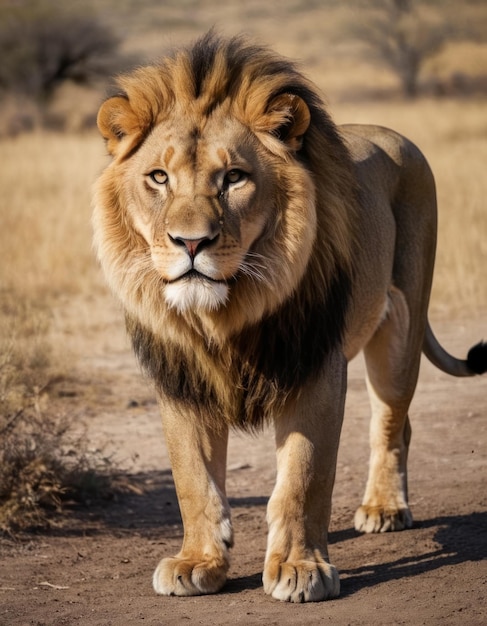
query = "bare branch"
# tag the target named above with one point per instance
(402, 36)
(42, 49)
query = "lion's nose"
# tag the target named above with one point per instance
(193, 246)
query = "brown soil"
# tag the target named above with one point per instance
(97, 567)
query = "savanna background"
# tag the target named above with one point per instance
(87, 504)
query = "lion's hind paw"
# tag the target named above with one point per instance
(301, 581)
(375, 519)
(185, 577)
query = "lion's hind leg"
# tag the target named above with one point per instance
(392, 359)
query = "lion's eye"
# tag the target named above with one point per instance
(159, 177)
(235, 176)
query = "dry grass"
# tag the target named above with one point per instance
(45, 229)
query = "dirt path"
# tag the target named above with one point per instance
(97, 569)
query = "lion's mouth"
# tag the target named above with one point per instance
(194, 275)
(195, 291)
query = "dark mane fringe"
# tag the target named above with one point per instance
(169, 367)
(288, 348)
(269, 361)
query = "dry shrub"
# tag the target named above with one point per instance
(45, 466)
(46, 463)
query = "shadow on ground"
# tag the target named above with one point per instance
(460, 538)
(151, 511)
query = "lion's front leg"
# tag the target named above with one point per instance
(297, 567)
(198, 460)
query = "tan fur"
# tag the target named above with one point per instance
(304, 246)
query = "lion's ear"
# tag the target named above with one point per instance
(119, 125)
(291, 117)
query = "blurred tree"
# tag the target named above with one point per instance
(42, 46)
(403, 34)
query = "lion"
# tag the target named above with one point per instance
(256, 248)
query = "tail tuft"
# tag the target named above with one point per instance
(477, 358)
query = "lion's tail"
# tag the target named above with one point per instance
(475, 363)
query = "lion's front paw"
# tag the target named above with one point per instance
(186, 577)
(301, 581)
(375, 519)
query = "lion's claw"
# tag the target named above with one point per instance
(184, 577)
(374, 519)
(301, 581)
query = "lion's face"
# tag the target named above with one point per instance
(204, 208)
(201, 198)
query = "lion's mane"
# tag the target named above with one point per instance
(239, 363)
